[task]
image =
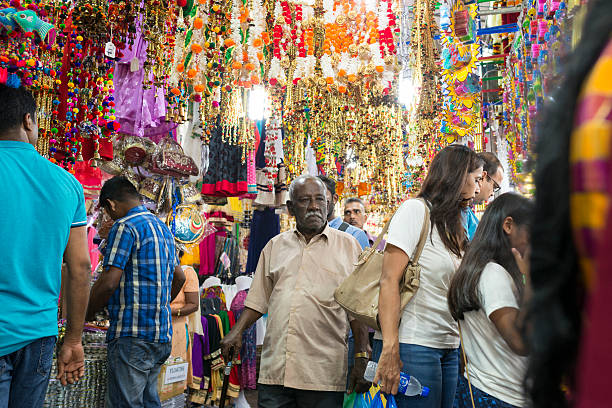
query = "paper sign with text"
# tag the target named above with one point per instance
(176, 373)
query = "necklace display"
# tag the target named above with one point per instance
(424, 55)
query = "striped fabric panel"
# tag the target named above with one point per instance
(590, 161)
(590, 176)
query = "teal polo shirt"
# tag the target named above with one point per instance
(40, 204)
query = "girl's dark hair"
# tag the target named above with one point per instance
(555, 317)
(490, 244)
(442, 188)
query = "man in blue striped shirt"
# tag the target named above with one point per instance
(141, 275)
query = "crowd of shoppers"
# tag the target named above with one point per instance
(423, 338)
(517, 313)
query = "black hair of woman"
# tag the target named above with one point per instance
(490, 244)
(555, 319)
(443, 186)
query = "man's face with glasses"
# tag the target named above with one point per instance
(491, 184)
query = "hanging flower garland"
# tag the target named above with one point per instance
(249, 37)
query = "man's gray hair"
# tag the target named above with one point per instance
(302, 179)
(355, 200)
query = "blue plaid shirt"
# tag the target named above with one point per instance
(143, 247)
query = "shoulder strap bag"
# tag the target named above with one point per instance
(359, 293)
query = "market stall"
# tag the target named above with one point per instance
(211, 107)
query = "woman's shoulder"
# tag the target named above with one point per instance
(412, 206)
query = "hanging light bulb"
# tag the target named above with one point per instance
(257, 103)
(407, 91)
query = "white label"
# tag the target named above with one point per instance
(176, 373)
(109, 50)
(134, 64)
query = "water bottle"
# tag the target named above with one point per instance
(408, 385)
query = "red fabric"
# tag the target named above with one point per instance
(234, 378)
(225, 188)
(94, 254)
(89, 177)
(88, 148)
(509, 18)
(593, 374)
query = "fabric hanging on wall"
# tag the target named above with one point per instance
(264, 227)
(248, 353)
(227, 174)
(140, 111)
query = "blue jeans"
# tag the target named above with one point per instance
(350, 357)
(434, 368)
(133, 368)
(463, 399)
(24, 374)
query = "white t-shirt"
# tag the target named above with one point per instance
(426, 320)
(494, 367)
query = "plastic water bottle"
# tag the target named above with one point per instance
(408, 385)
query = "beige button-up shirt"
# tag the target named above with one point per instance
(305, 346)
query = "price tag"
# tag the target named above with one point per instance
(110, 49)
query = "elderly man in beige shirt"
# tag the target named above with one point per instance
(303, 362)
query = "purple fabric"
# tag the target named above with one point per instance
(197, 356)
(590, 176)
(141, 112)
(248, 353)
(372, 239)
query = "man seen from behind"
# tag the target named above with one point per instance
(139, 279)
(42, 224)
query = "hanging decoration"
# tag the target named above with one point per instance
(460, 81)
(61, 50)
(532, 67)
(426, 75)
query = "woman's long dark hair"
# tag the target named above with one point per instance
(490, 244)
(555, 317)
(442, 188)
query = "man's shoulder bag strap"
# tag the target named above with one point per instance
(343, 227)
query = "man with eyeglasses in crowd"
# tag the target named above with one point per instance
(492, 177)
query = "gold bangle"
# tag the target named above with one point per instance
(362, 355)
(179, 313)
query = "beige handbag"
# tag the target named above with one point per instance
(358, 294)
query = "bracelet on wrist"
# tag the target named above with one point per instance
(362, 355)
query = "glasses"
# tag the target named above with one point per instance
(496, 187)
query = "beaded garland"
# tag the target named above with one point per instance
(67, 73)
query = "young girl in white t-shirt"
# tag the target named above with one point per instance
(486, 297)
